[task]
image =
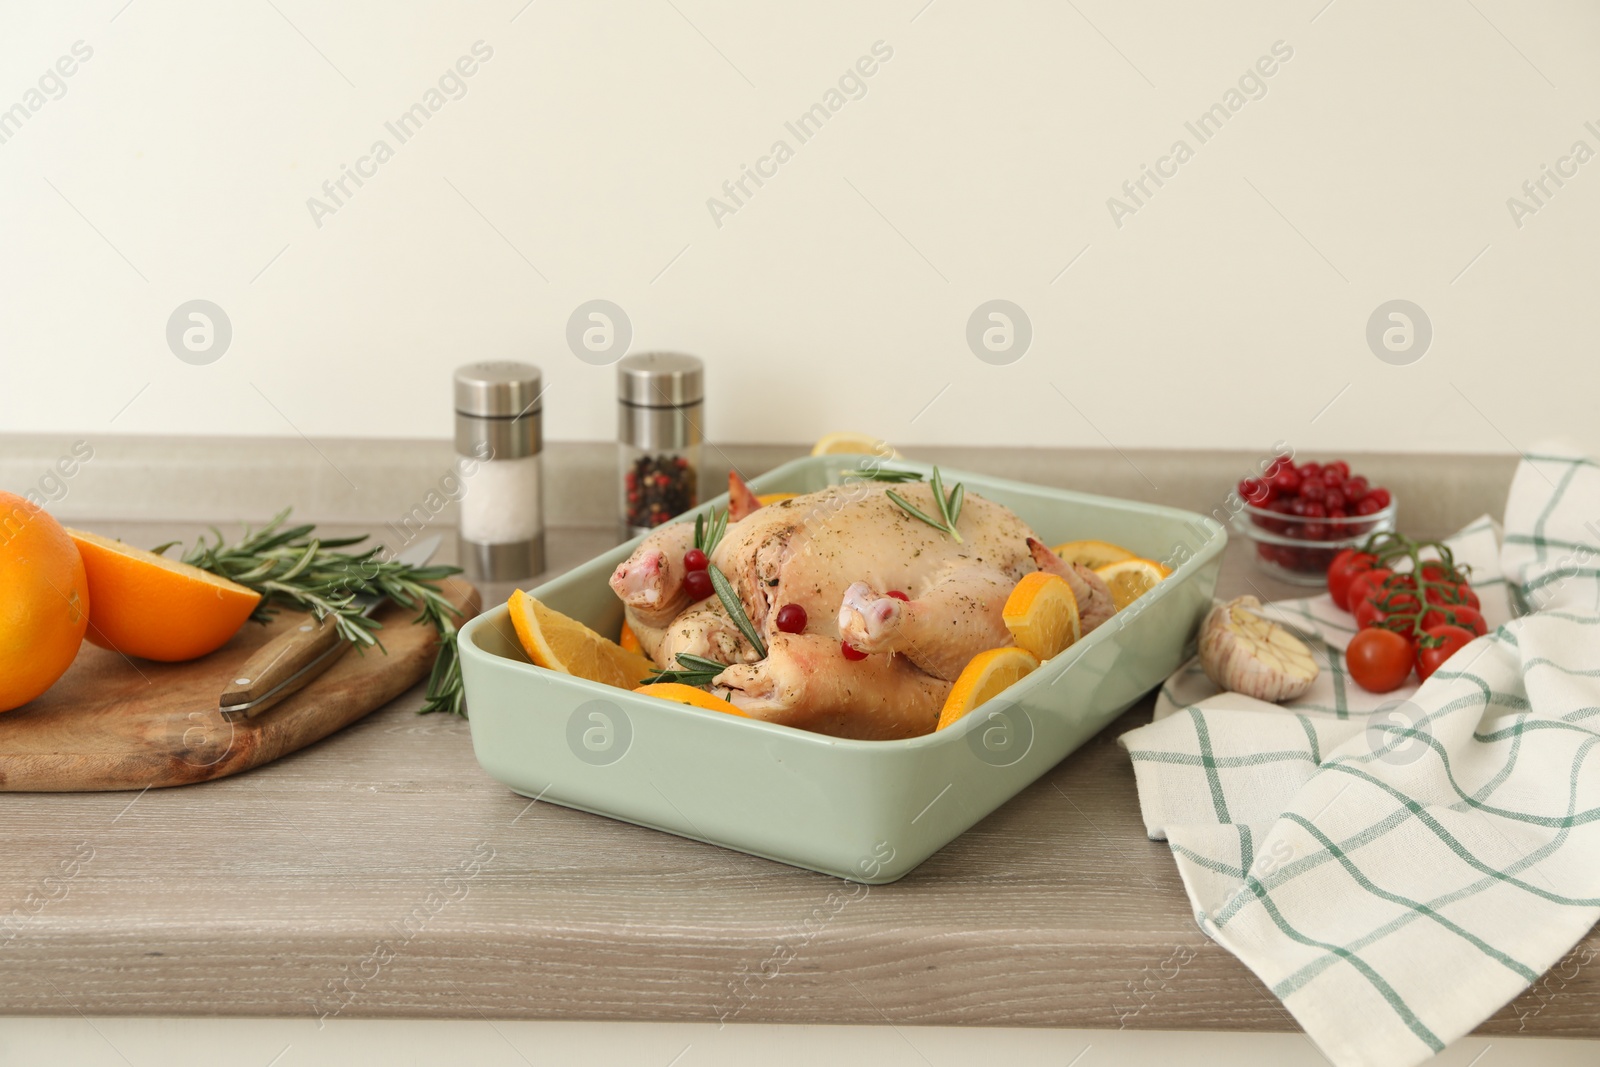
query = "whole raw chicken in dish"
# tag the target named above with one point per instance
(869, 575)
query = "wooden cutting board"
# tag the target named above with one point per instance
(116, 723)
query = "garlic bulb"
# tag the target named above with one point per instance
(1244, 652)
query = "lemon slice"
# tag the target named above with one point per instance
(1092, 554)
(688, 694)
(1042, 615)
(985, 676)
(563, 644)
(1130, 579)
(775, 498)
(847, 443)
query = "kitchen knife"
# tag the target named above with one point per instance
(285, 664)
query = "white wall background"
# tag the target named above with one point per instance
(1228, 312)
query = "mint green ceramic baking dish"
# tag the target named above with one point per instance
(869, 811)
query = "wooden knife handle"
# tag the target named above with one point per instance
(289, 661)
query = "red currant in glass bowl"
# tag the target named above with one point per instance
(1301, 517)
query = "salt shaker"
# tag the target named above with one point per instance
(499, 437)
(660, 420)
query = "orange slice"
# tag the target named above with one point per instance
(688, 694)
(563, 644)
(774, 498)
(1130, 579)
(1092, 554)
(849, 443)
(985, 676)
(1042, 615)
(628, 639)
(142, 604)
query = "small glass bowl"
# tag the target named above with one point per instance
(1298, 550)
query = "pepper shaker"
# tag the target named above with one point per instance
(660, 420)
(499, 437)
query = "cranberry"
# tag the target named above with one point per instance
(1313, 489)
(1331, 477)
(1314, 531)
(850, 652)
(1380, 494)
(1255, 492)
(697, 584)
(1286, 481)
(1310, 471)
(1338, 513)
(1334, 498)
(1368, 505)
(1314, 510)
(792, 619)
(695, 560)
(1355, 488)
(1341, 466)
(897, 594)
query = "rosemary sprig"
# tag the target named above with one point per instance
(883, 474)
(949, 506)
(291, 568)
(730, 600)
(696, 670)
(707, 534)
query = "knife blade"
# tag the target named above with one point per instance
(287, 663)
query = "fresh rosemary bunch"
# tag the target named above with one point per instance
(949, 506)
(291, 568)
(695, 670)
(883, 474)
(708, 533)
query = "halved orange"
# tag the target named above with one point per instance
(1092, 554)
(628, 639)
(1042, 615)
(44, 601)
(688, 694)
(564, 644)
(1129, 579)
(142, 604)
(985, 676)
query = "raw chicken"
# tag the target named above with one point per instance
(838, 553)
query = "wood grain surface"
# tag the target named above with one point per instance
(380, 872)
(113, 722)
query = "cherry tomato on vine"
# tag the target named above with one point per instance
(1363, 585)
(1430, 657)
(1344, 569)
(1467, 618)
(1450, 595)
(1379, 660)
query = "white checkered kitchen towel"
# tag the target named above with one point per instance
(1397, 874)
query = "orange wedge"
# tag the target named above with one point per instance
(1130, 579)
(142, 604)
(563, 644)
(628, 639)
(774, 498)
(1092, 554)
(1042, 615)
(985, 676)
(688, 694)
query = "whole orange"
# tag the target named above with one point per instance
(156, 608)
(44, 601)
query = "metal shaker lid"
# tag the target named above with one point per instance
(498, 389)
(660, 380)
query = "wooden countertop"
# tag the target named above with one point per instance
(382, 873)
